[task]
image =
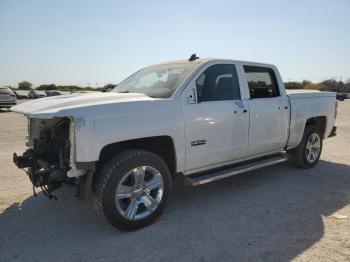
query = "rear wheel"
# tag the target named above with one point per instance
(308, 152)
(132, 189)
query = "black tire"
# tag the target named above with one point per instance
(112, 174)
(299, 154)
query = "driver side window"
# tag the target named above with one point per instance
(218, 83)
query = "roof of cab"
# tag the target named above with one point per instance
(184, 61)
(205, 60)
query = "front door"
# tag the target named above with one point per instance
(216, 126)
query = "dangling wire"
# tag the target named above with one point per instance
(44, 189)
(47, 193)
(34, 193)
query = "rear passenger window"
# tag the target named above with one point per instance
(262, 82)
(218, 83)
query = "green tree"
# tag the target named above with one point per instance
(46, 87)
(346, 88)
(297, 85)
(319, 87)
(24, 85)
(305, 83)
(333, 85)
(293, 85)
(69, 88)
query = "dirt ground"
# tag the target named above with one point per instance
(279, 213)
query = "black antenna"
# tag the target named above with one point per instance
(193, 57)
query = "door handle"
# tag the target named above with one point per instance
(244, 111)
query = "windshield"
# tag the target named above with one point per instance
(158, 81)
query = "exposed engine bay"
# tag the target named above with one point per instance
(47, 160)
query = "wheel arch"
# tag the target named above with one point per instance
(319, 121)
(163, 146)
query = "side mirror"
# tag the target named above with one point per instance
(191, 97)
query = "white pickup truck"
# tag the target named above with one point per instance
(201, 119)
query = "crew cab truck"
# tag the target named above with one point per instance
(202, 119)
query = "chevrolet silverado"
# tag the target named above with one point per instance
(201, 119)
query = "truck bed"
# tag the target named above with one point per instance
(306, 104)
(296, 93)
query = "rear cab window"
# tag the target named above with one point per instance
(262, 82)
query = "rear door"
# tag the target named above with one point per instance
(269, 110)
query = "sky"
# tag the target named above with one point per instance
(99, 42)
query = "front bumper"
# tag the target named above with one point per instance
(333, 132)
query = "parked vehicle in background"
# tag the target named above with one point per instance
(202, 119)
(34, 95)
(7, 97)
(52, 93)
(342, 96)
(20, 96)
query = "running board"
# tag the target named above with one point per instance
(203, 178)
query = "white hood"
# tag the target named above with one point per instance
(65, 105)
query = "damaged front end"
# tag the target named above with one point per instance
(47, 160)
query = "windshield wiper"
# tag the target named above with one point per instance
(126, 91)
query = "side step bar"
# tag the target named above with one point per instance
(203, 178)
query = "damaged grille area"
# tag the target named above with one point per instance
(47, 158)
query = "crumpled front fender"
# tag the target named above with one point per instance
(86, 146)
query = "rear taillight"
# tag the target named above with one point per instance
(13, 95)
(336, 109)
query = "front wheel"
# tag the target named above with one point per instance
(132, 189)
(308, 152)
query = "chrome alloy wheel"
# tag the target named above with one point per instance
(139, 193)
(313, 147)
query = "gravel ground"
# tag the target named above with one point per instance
(279, 213)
